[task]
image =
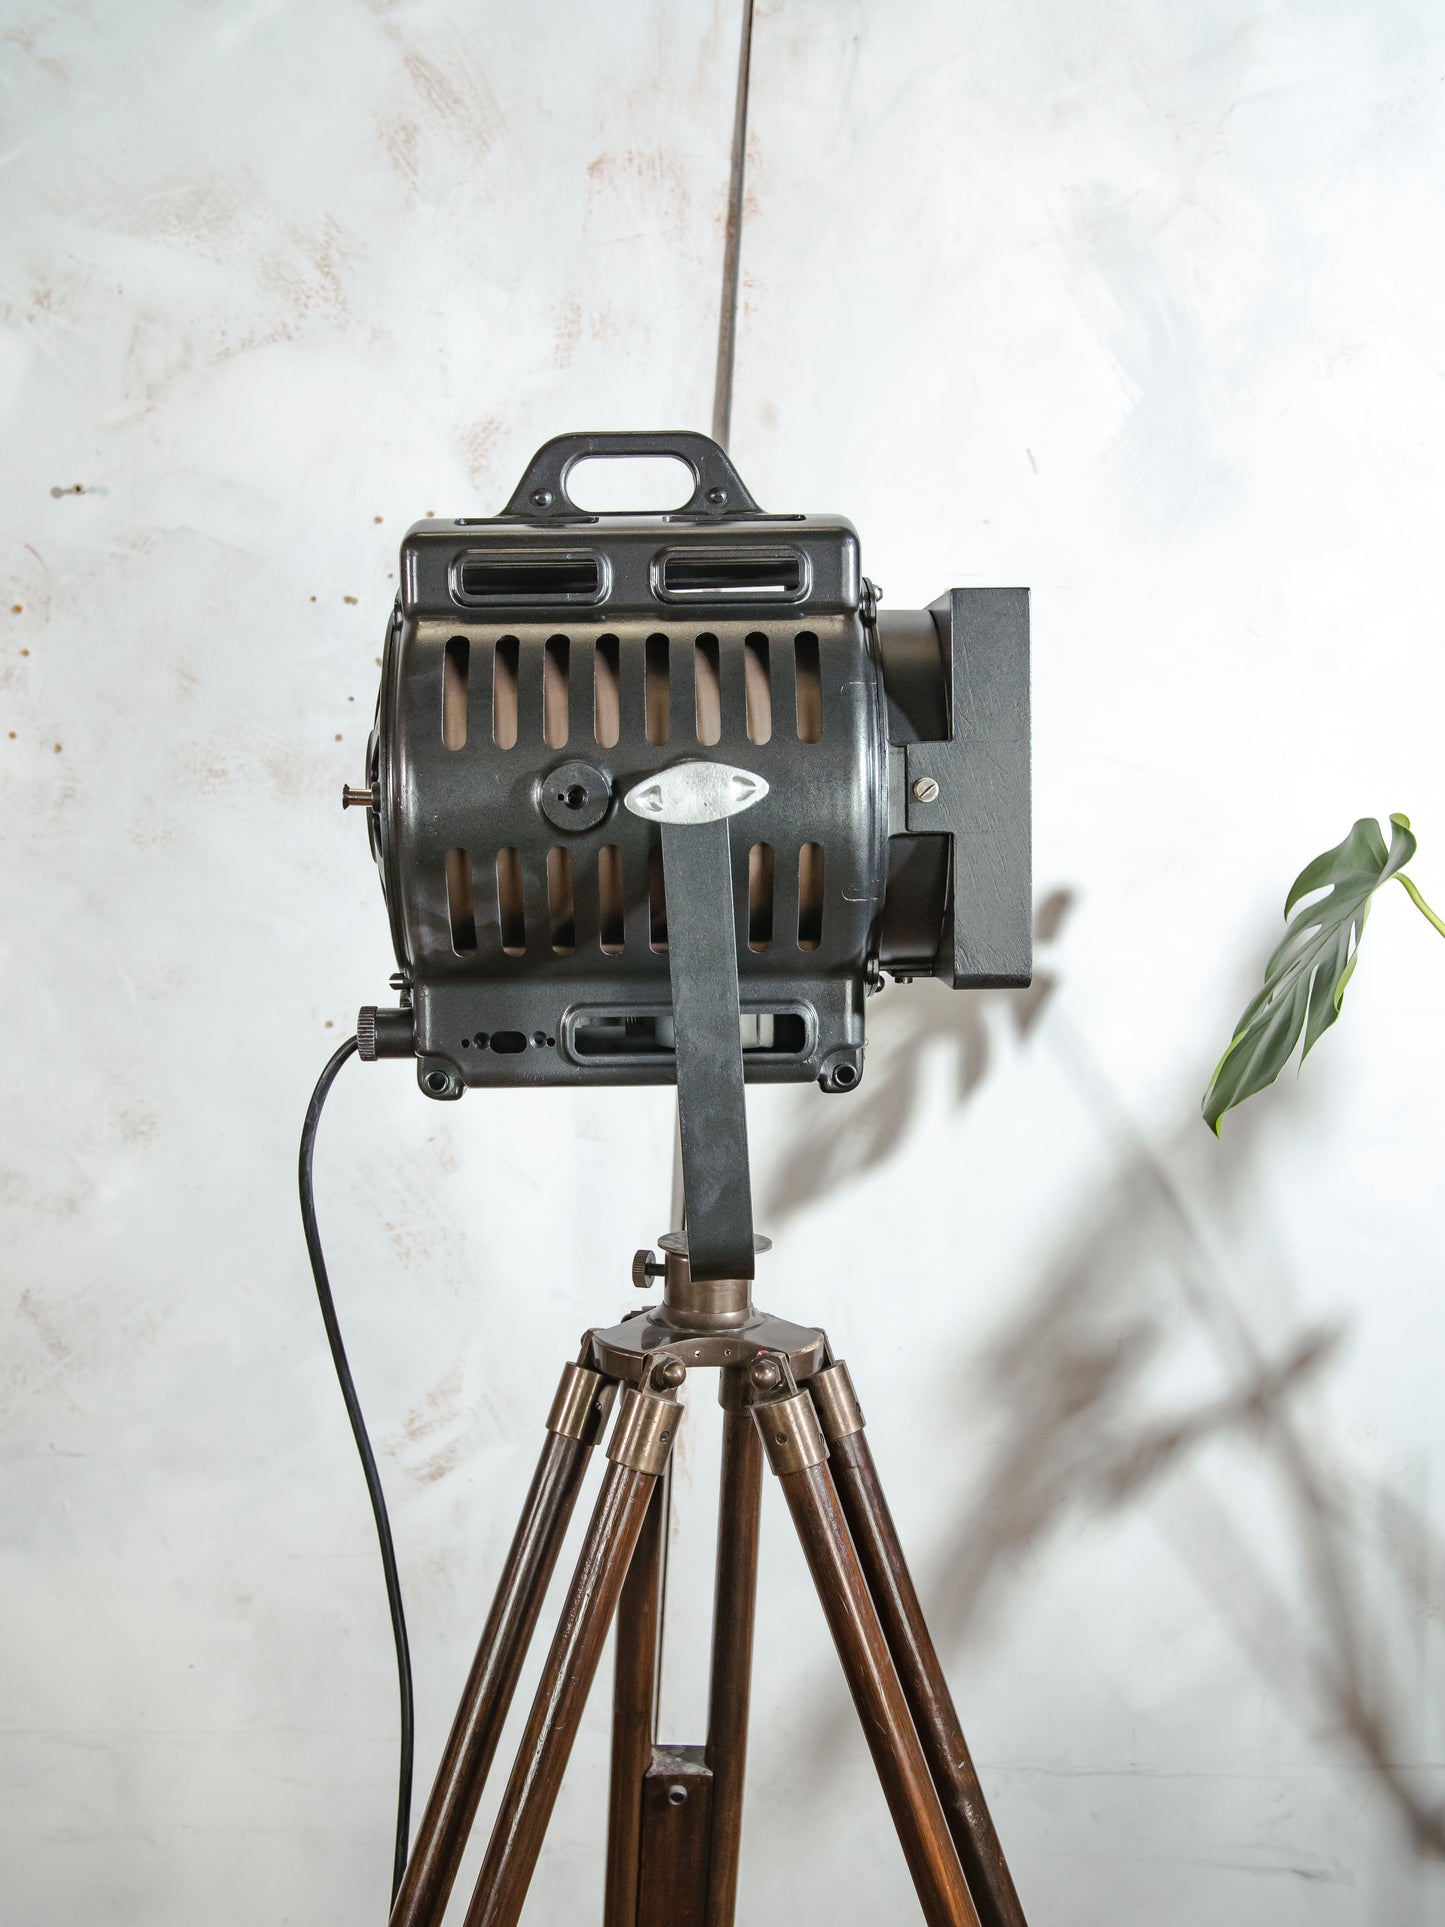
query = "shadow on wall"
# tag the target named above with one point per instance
(1078, 1431)
(873, 1126)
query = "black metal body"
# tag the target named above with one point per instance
(542, 662)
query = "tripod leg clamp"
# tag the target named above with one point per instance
(839, 1412)
(791, 1434)
(645, 1429)
(579, 1411)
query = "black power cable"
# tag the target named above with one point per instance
(363, 1446)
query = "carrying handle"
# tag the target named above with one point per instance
(541, 495)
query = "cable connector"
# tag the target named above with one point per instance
(383, 1033)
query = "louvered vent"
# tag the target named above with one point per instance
(779, 675)
(711, 721)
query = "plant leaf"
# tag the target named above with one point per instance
(1305, 979)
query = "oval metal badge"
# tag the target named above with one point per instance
(695, 792)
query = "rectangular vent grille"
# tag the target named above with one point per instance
(760, 897)
(561, 911)
(746, 574)
(610, 900)
(685, 692)
(455, 665)
(517, 576)
(511, 906)
(618, 1034)
(459, 902)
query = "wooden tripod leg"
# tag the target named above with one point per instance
(739, 1506)
(583, 1399)
(634, 1702)
(920, 1674)
(795, 1448)
(641, 1442)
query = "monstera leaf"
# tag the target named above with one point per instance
(1305, 980)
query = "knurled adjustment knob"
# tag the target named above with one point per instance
(366, 1033)
(645, 1267)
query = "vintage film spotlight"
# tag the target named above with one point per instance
(660, 799)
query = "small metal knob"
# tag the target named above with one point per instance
(357, 799)
(668, 1374)
(765, 1375)
(646, 1265)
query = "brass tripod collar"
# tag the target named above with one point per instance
(647, 1423)
(579, 1411)
(791, 1434)
(839, 1412)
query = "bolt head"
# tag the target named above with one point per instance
(668, 1374)
(541, 498)
(925, 790)
(765, 1375)
(717, 496)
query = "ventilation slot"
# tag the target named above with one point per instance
(455, 663)
(760, 896)
(511, 920)
(459, 902)
(607, 691)
(758, 688)
(560, 901)
(528, 578)
(810, 896)
(622, 1036)
(554, 691)
(504, 692)
(609, 899)
(810, 688)
(744, 574)
(656, 900)
(658, 690)
(707, 681)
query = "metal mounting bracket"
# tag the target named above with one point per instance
(694, 802)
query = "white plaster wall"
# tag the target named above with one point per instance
(1138, 305)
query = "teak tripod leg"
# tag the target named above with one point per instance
(909, 1641)
(739, 1506)
(578, 1411)
(634, 1695)
(646, 1424)
(796, 1450)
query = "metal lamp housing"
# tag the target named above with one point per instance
(542, 664)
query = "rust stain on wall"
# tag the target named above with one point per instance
(438, 1408)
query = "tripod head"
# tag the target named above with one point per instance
(660, 798)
